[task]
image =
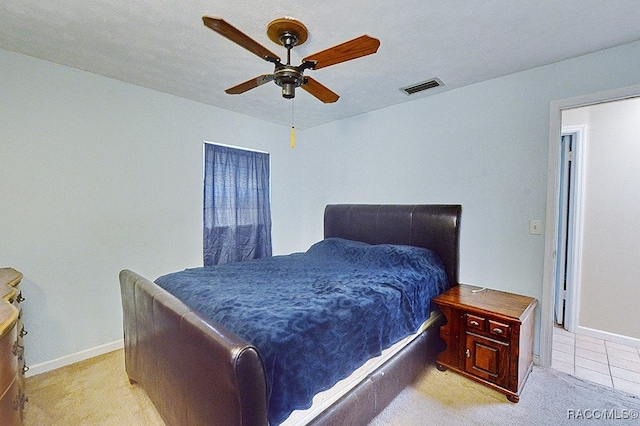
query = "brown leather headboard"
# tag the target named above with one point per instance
(436, 227)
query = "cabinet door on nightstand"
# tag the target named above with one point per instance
(487, 359)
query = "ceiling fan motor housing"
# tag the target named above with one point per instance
(288, 78)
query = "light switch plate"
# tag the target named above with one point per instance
(535, 227)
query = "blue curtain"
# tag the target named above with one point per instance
(237, 212)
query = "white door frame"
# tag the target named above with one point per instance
(553, 196)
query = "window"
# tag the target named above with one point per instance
(237, 212)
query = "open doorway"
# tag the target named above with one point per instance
(599, 306)
(553, 196)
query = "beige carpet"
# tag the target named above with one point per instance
(97, 392)
(92, 392)
(549, 398)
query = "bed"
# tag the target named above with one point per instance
(198, 372)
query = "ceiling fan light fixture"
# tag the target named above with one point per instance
(289, 90)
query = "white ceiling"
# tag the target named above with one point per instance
(163, 45)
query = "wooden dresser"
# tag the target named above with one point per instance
(12, 366)
(489, 336)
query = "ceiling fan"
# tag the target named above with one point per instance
(289, 32)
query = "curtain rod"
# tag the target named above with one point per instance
(236, 147)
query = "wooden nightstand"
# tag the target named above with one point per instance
(489, 336)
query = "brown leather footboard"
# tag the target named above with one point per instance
(194, 373)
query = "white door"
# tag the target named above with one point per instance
(563, 219)
(569, 226)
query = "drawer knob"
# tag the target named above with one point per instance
(474, 323)
(497, 330)
(468, 353)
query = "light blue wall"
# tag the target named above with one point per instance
(99, 175)
(484, 146)
(95, 176)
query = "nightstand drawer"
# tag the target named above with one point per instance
(499, 330)
(488, 327)
(476, 322)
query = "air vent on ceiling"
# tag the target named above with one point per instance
(429, 84)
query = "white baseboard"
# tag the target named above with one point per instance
(73, 358)
(609, 337)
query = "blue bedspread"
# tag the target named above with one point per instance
(316, 316)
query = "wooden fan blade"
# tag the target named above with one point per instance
(249, 84)
(235, 35)
(319, 91)
(352, 49)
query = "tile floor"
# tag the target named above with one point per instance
(600, 361)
